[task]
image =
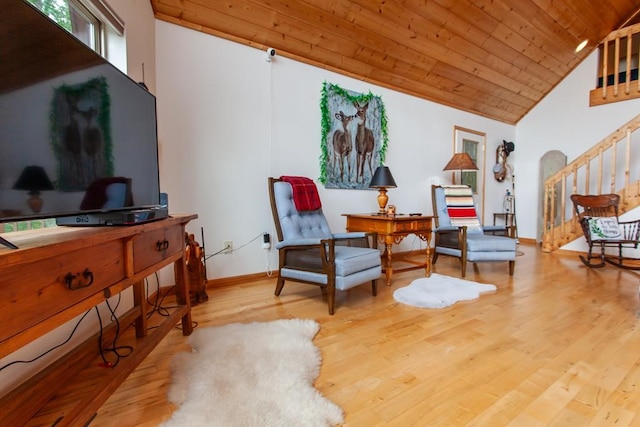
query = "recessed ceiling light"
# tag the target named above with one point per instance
(582, 45)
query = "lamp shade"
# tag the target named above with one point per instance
(461, 161)
(33, 179)
(382, 178)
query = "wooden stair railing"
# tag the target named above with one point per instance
(618, 62)
(612, 165)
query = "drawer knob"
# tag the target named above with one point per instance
(162, 245)
(85, 279)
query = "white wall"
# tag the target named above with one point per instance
(228, 119)
(562, 121)
(139, 34)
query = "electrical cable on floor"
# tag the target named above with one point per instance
(158, 306)
(75, 328)
(121, 351)
(268, 269)
(270, 252)
(113, 318)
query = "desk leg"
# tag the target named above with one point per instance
(182, 294)
(388, 240)
(140, 300)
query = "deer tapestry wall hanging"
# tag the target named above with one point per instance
(354, 137)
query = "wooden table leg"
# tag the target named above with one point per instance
(182, 294)
(140, 300)
(427, 267)
(388, 240)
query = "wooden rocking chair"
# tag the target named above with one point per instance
(598, 217)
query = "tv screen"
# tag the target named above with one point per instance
(77, 136)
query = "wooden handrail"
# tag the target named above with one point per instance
(615, 171)
(618, 91)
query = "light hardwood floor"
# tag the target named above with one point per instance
(556, 344)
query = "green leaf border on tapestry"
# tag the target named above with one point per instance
(104, 117)
(326, 122)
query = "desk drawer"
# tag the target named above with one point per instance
(152, 247)
(413, 226)
(30, 294)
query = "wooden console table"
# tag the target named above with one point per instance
(393, 229)
(59, 273)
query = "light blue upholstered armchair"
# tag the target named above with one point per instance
(463, 236)
(310, 253)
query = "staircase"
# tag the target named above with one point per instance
(610, 166)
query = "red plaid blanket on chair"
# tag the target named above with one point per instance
(305, 193)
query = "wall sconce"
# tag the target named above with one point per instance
(460, 161)
(382, 179)
(34, 180)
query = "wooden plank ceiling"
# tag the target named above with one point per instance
(495, 58)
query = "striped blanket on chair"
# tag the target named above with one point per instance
(461, 207)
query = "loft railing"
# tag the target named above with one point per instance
(610, 166)
(618, 67)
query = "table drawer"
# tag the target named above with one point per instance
(30, 294)
(412, 226)
(152, 247)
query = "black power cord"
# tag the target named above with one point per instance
(121, 351)
(75, 328)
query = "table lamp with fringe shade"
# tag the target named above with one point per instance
(461, 162)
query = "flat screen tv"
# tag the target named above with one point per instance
(77, 136)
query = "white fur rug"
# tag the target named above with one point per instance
(253, 374)
(438, 291)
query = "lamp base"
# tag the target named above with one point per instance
(35, 203)
(382, 200)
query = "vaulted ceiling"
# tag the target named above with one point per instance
(495, 58)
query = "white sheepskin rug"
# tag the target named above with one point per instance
(438, 291)
(253, 374)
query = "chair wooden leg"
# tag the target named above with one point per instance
(374, 287)
(434, 258)
(279, 285)
(512, 267)
(463, 256)
(331, 297)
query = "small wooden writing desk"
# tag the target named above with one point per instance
(393, 229)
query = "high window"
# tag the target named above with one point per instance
(76, 18)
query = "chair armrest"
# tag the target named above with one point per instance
(369, 239)
(446, 229)
(451, 237)
(632, 223)
(350, 235)
(630, 229)
(500, 230)
(298, 242)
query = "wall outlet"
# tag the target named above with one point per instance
(266, 240)
(228, 247)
